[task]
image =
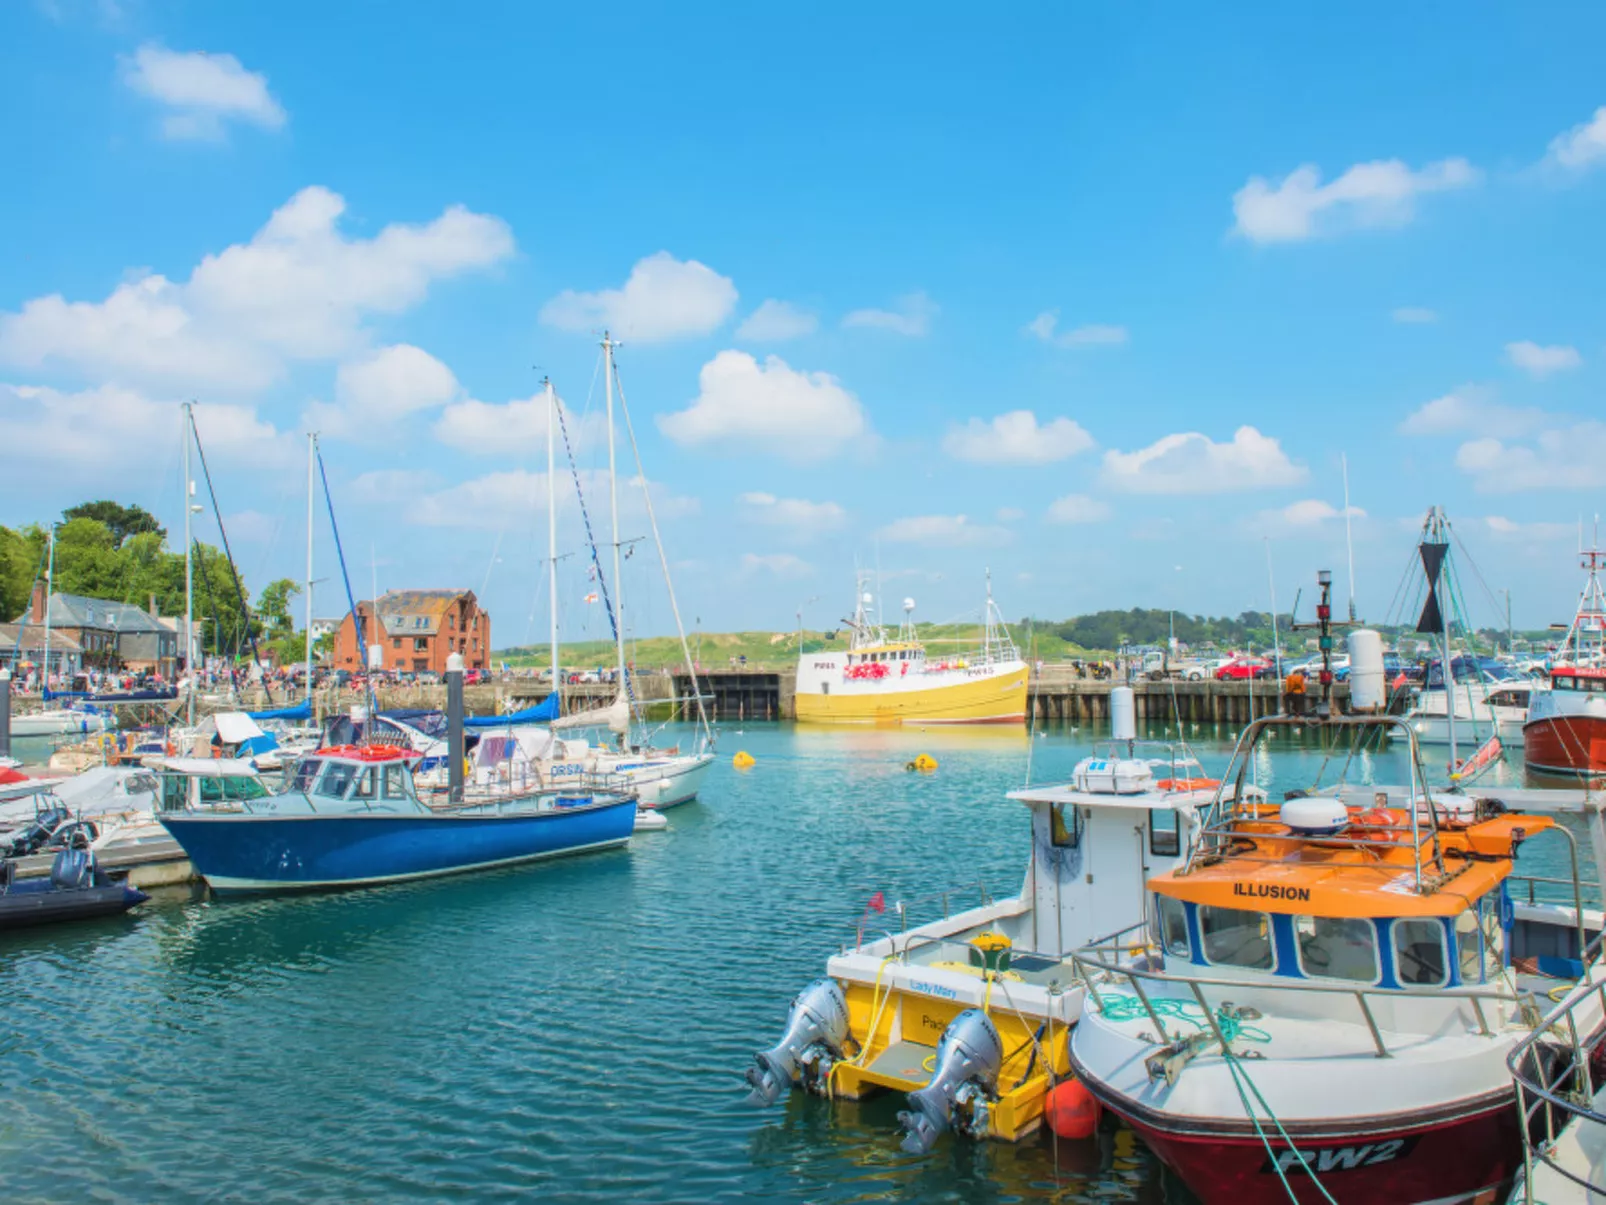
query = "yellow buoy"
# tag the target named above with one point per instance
(743, 760)
(925, 763)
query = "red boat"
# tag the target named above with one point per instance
(1565, 732)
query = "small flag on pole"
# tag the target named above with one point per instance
(592, 597)
(878, 902)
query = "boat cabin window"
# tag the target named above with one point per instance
(305, 773)
(1333, 947)
(1064, 825)
(1419, 953)
(1236, 938)
(231, 788)
(396, 781)
(336, 778)
(1174, 926)
(1480, 942)
(175, 792)
(366, 784)
(1165, 840)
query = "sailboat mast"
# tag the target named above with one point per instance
(1349, 543)
(613, 506)
(50, 593)
(312, 452)
(189, 572)
(552, 529)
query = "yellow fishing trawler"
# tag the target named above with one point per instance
(883, 679)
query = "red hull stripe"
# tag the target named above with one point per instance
(1566, 745)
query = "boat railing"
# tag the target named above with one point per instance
(1553, 1093)
(1110, 958)
(902, 909)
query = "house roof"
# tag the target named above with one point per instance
(78, 611)
(417, 612)
(30, 637)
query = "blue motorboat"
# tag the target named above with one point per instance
(76, 889)
(350, 817)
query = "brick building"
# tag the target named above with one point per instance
(418, 630)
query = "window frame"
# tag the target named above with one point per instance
(1161, 901)
(1056, 826)
(1299, 951)
(1271, 939)
(1394, 950)
(1175, 833)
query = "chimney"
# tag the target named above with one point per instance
(36, 607)
(154, 611)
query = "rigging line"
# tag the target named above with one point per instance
(239, 590)
(591, 539)
(663, 557)
(1494, 603)
(351, 601)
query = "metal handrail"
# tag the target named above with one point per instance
(1545, 1090)
(1091, 963)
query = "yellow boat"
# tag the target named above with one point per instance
(879, 679)
(969, 1014)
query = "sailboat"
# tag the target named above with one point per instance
(515, 754)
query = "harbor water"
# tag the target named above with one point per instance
(575, 1030)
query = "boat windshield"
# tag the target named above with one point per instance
(306, 772)
(231, 788)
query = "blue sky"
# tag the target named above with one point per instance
(1094, 296)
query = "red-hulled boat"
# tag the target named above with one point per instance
(1565, 732)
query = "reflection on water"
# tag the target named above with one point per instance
(575, 1029)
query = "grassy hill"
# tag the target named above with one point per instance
(771, 650)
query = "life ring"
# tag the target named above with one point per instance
(1188, 784)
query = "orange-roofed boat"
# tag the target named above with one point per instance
(1322, 1000)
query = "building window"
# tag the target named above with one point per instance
(395, 642)
(420, 644)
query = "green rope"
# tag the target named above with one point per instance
(1130, 1008)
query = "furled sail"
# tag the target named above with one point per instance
(615, 716)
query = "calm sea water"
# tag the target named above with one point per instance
(576, 1029)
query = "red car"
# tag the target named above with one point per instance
(1243, 668)
(474, 677)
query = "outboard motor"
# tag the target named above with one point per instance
(816, 1029)
(969, 1058)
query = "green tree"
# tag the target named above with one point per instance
(121, 521)
(273, 607)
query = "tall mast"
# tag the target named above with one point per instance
(1276, 638)
(189, 571)
(552, 529)
(50, 593)
(1349, 544)
(613, 506)
(312, 452)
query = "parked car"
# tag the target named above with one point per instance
(474, 677)
(1207, 669)
(1242, 669)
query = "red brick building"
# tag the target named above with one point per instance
(418, 630)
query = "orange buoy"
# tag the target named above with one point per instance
(1071, 1110)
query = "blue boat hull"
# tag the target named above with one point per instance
(255, 854)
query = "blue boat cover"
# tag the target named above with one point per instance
(542, 713)
(125, 696)
(301, 711)
(257, 745)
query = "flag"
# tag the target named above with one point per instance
(592, 597)
(878, 902)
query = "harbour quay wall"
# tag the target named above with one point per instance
(1054, 694)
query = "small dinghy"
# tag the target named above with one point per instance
(75, 890)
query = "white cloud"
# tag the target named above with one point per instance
(912, 316)
(1380, 193)
(116, 434)
(1077, 508)
(776, 320)
(1561, 458)
(299, 290)
(780, 564)
(1471, 408)
(201, 91)
(768, 407)
(518, 492)
(1414, 315)
(1582, 146)
(515, 428)
(1009, 514)
(943, 531)
(1308, 512)
(1016, 438)
(375, 391)
(392, 485)
(1538, 361)
(664, 298)
(803, 517)
(1192, 463)
(1501, 528)
(1093, 335)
